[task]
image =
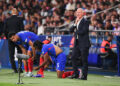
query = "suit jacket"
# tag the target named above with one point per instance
(13, 24)
(1, 28)
(81, 34)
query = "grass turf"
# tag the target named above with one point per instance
(7, 78)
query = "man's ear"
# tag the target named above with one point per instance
(16, 37)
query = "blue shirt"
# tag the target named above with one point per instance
(25, 37)
(49, 48)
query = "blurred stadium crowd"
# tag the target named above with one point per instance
(43, 16)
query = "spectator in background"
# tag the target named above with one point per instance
(113, 18)
(1, 4)
(40, 30)
(27, 20)
(25, 12)
(93, 26)
(1, 27)
(95, 8)
(48, 40)
(57, 10)
(116, 27)
(27, 27)
(109, 57)
(5, 10)
(108, 26)
(34, 24)
(13, 24)
(100, 27)
(84, 5)
(66, 20)
(71, 5)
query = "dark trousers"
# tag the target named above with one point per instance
(83, 52)
(12, 46)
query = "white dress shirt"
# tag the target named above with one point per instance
(78, 25)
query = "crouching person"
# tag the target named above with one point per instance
(52, 52)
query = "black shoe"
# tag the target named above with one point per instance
(74, 76)
(15, 71)
(21, 71)
(83, 78)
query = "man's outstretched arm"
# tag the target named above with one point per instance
(46, 59)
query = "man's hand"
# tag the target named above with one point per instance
(36, 68)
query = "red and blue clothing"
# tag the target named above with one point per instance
(60, 59)
(24, 38)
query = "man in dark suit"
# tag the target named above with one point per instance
(81, 44)
(1, 27)
(13, 24)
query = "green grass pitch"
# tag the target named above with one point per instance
(10, 79)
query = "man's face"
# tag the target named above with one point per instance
(50, 39)
(110, 39)
(107, 24)
(14, 38)
(79, 13)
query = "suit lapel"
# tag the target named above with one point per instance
(81, 23)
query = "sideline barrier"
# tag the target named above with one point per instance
(61, 40)
(64, 42)
(4, 54)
